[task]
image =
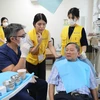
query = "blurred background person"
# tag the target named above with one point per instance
(4, 23)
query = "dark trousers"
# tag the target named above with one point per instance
(65, 96)
(22, 95)
(38, 91)
(39, 69)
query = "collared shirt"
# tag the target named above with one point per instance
(55, 79)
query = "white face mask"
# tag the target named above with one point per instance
(72, 22)
(5, 24)
(22, 41)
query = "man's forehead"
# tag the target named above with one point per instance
(71, 46)
(20, 31)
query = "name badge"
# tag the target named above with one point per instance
(40, 57)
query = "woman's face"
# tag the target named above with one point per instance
(5, 23)
(40, 26)
(72, 20)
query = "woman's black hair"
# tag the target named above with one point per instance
(75, 12)
(39, 16)
(2, 19)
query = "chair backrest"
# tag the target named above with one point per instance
(52, 40)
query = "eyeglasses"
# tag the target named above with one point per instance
(21, 36)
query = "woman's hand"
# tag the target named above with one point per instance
(58, 56)
(39, 38)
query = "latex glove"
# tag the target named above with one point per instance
(33, 79)
(25, 49)
(83, 55)
(25, 45)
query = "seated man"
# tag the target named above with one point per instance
(72, 77)
(12, 59)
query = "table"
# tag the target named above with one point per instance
(49, 55)
(10, 94)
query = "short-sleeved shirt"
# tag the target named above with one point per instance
(56, 80)
(8, 56)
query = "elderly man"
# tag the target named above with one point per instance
(12, 59)
(73, 78)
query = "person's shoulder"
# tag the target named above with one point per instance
(64, 30)
(31, 31)
(3, 52)
(46, 30)
(4, 48)
(60, 59)
(81, 62)
(79, 26)
(0, 27)
(65, 27)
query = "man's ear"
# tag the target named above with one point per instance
(12, 38)
(78, 54)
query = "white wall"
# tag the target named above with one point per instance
(23, 11)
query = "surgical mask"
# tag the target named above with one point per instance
(5, 24)
(72, 22)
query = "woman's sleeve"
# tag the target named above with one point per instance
(83, 40)
(49, 37)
